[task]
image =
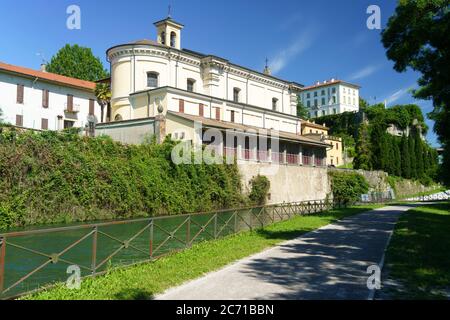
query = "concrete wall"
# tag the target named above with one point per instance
(288, 183)
(128, 132)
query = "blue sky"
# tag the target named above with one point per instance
(305, 41)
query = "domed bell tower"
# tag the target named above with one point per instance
(169, 32)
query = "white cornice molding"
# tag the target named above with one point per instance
(206, 62)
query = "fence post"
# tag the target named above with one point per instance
(215, 226)
(151, 239)
(94, 250)
(2, 262)
(235, 222)
(188, 235)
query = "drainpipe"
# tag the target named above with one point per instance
(148, 104)
(210, 108)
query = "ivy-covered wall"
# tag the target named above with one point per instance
(55, 178)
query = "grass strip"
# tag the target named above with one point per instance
(418, 260)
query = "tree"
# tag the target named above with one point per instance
(397, 159)
(412, 156)
(103, 94)
(417, 37)
(419, 153)
(363, 104)
(363, 152)
(77, 62)
(405, 156)
(302, 112)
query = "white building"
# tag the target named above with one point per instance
(151, 77)
(45, 101)
(330, 97)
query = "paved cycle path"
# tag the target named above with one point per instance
(329, 263)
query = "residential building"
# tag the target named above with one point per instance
(335, 151)
(160, 80)
(41, 100)
(330, 97)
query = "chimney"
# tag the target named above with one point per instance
(43, 67)
(317, 83)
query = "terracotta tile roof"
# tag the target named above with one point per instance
(237, 126)
(52, 77)
(314, 125)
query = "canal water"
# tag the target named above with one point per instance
(37, 259)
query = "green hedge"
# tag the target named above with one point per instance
(61, 177)
(347, 187)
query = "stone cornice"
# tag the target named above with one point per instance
(201, 62)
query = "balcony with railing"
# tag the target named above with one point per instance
(269, 156)
(307, 160)
(249, 154)
(292, 158)
(263, 156)
(277, 157)
(319, 162)
(72, 108)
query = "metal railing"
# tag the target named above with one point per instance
(35, 259)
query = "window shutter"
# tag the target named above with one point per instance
(91, 107)
(232, 116)
(44, 124)
(20, 93)
(69, 103)
(218, 114)
(19, 120)
(181, 106)
(45, 98)
(201, 111)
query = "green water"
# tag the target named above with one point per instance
(167, 234)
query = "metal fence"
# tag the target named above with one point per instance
(32, 260)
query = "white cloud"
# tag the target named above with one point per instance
(398, 95)
(299, 45)
(364, 73)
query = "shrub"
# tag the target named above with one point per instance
(347, 187)
(260, 190)
(63, 177)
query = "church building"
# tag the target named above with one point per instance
(159, 86)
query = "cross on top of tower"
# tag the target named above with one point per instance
(267, 68)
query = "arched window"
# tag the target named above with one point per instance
(163, 38)
(236, 94)
(173, 39)
(152, 79)
(118, 117)
(274, 104)
(190, 85)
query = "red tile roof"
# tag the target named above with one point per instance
(52, 77)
